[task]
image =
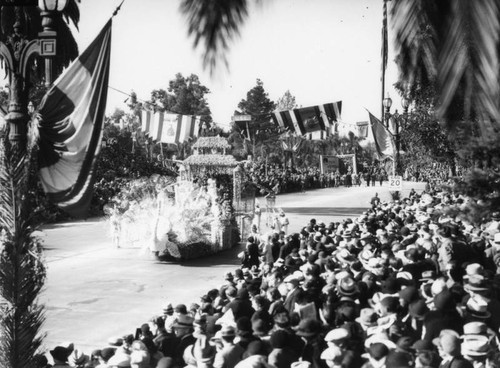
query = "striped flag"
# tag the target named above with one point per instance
(70, 127)
(189, 125)
(383, 139)
(308, 119)
(146, 117)
(157, 126)
(171, 131)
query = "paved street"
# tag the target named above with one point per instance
(94, 292)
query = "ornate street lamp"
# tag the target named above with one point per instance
(17, 53)
(387, 102)
(396, 119)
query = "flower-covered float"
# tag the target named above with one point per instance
(184, 218)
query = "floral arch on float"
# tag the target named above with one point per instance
(194, 215)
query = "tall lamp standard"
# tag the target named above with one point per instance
(398, 122)
(22, 270)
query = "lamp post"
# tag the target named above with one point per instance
(17, 53)
(395, 130)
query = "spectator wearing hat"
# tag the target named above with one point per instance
(477, 285)
(163, 340)
(444, 316)
(183, 329)
(309, 330)
(389, 322)
(448, 344)
(281, 355)
(377, 355)
(293, 291)
(477, 350)
(255, 356)
(244, 332)
(239, 303)
(261, 305)
(426, 355)
(104, 356)
(230, 353)
(168, 316)
(343, 350)
(250, 254)
(60, 356)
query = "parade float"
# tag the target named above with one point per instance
(194, 215)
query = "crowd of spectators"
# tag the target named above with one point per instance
(400, 286)
(288, 180)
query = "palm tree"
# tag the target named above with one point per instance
(22, 269)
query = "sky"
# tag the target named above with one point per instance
(321, 50)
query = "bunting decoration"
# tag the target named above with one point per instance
(70, 124)
(308, 119)
(146, 117)
(384, 142)
(362, 129)
(169, 128)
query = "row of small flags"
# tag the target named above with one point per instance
(310, 119)
(169, 128)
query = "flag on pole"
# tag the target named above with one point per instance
(171, 128)
(385, 44)
(384, 142)
(70, 124)
(308, 119)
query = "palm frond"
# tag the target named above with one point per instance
(214, 23)
(416, 35)
(457, 41)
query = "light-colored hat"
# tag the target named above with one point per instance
(477, 306)
(337, 334)
(474, 269)
(476, 346)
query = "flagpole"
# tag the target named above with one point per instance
(384, 56)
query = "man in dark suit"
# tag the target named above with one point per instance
(239, 303)
(292, 284)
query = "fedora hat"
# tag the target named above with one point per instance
(427, 276)
(347, 286)
(474, 329)
(60, 353)
(309, 327)
(476, 346)
(477, 307)
(344, 256)
(367, 317)
(476, 283)
(184, 321)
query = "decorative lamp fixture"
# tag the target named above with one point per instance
(387, 102)
(52, 5)
(405, 103)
